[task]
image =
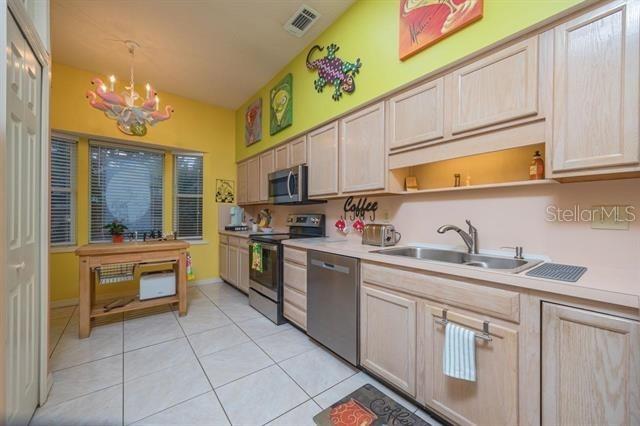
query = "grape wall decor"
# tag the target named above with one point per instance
(334, 71)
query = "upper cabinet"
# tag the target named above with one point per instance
(417, 115)
(242, 183)
(362, 150)
(497, 88)
(298, 151)
(267, 165)
(282, 157)
(596, 73)
(322, 150)
(253, 180)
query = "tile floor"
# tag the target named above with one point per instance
(223, 363)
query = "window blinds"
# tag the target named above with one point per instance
(187, 217)
(63, 192)
(126, 185)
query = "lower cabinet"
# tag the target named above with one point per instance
(590, 368)
(295, 286)
(243, 267)
(493, 398)
(232, 272)
(388, 336)
(223, 260)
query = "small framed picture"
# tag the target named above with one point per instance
(224, 191)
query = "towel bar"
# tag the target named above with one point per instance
(486, 336)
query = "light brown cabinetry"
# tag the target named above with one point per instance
(243, 266)
(493, 398)
(232, 271)
(282, 157)
(596, 97)
(223, 260)
(267, 165)
(362, 150)
(417, 115)
(295, 286)
(497, 88)
(253, 180)
(590, 368)
(298, 151)
(242, 196)
(322, 150)
(388, 336)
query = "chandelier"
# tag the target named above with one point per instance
(131, 119)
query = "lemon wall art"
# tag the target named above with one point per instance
(281, 105)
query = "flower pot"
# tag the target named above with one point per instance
(117, 238)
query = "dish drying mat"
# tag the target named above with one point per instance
(117, 273)
(557, 271)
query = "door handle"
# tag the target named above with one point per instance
(20, 266)
(289, 184)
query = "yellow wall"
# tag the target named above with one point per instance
(194, 126)
(369, 30)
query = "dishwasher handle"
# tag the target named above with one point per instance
(330, 266)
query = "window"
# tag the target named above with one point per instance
(126, 185)
(63, 191)
(187, 210)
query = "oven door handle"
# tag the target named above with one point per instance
(289, 184)
(266, 246)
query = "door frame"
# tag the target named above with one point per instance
(28, 27)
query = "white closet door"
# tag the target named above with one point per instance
(22, 204)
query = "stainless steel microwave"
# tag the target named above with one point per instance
(289, 186)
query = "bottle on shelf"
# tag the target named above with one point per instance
(536, 169)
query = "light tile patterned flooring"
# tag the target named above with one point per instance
(223, 363)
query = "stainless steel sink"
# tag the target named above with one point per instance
(503, 264)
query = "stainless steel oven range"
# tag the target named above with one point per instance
(265, 282)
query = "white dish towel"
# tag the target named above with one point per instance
(459, 357)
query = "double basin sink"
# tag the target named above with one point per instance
(498, 263)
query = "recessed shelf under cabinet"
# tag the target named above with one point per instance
(483, 186)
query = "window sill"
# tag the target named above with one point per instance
(62, 249)
(195, 242)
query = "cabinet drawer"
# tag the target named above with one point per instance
(223, 239)
(474, 297)
(296, 298)
(295, 277)
(235, 241)
(296, 256)
(295, 315)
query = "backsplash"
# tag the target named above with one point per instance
(507, 217)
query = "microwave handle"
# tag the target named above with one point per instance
(289, 184)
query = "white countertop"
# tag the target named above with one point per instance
(247, 234)
(598, 283)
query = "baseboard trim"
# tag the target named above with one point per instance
(214, 280)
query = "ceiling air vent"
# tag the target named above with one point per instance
(301, 21)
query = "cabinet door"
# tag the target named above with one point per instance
(243, 269)
(223, 260)
(590, 368)
(267, 165)
(298, 151)
(253, 180)
(362, 150)
(388, 336)
(323, 160)
(596, 73)
(282, 157)
(493, 398)
(495, 89)
(232, 271)
(242, 183)
(417, 115)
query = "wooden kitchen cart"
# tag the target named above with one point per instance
(94, 256)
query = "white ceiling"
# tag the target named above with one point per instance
(216, 51)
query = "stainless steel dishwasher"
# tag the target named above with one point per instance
(333, 301)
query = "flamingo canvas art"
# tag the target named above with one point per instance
(425, 22)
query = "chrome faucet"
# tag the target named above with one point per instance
(470, 238)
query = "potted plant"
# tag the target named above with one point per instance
(116, 229)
